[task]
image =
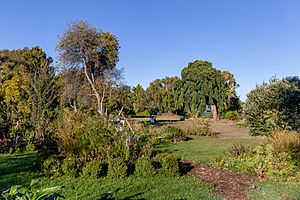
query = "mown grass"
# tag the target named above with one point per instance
(276, 191)
(19, 169)
(133, 188)
(205, 149)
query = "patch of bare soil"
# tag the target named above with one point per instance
(232, 186)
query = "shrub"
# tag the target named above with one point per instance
(286, 141)
(201, 127)
(232, 115)
(144, 168)
(238, 150)
(52, 166)
(30, 147)
(263, 162)
(274, 105)
(94, 169)
(167, 164)
(69, 167)
(171, 134)
(117, 168)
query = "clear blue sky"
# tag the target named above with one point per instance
(254, 39)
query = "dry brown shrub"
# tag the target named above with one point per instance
(286, 141)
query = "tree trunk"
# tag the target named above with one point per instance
(214, 113)
(96, 93)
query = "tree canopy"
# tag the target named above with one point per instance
(84, 46)
(274, 105)
(200, 85)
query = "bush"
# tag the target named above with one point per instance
(201, 127)
(144, 168)
(94, 169)
(69, 167)
(274, 106)
(52, 166)
(238, 150)
(286, 141)
(263, 162)
(171, 134)
(167, 164)
(84, 138)
(30, 147)
(117, 168)
(232, 115)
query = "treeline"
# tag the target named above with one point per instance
(33, 92)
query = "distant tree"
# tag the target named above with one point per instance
(86, 47)
(232, 102)
(200, 85)
(160, 94)
(120, 99)
(139, 98)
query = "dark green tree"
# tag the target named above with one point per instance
(274, 105)
(120, 99)
(200, 85)
(138, 97)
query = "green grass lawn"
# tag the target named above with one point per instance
(19, 169)
(275, 191)
(204, 149)
(133, 188)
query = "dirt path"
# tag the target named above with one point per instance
(232, 186)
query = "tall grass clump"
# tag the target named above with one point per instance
(286, 141)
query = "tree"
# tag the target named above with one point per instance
(233, 101)
(74, 91)
(44, 96)
(274, 105)
(200, 85)
(139, 99)
(86, 47)
(160, 94)
(28, 89)
(120, 99)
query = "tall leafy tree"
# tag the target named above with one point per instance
(160, 94)
(139, 98)
(200, 85)
(44, 96)
(84, 46)
(27, 89)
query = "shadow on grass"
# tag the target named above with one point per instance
(108, 196)
(17, 170)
